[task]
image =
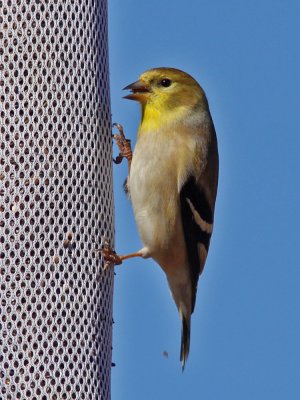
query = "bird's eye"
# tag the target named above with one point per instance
(165, 82)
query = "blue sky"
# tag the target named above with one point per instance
(246, 325)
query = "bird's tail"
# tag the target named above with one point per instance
(185, 335)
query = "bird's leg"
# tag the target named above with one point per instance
(124, 146)
(112, 258)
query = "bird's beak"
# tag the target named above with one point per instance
(139, 91)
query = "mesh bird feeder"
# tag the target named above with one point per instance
(55, 200)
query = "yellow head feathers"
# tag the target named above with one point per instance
(167, 95)
(166, 88)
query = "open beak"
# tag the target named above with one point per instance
(139, 90)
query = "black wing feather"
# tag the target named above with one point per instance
(193, 234)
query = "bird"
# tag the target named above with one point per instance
(172, 182)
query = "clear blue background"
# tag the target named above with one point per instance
(246, 326)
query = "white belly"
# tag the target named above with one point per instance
(154, 194)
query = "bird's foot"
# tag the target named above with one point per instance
(123, 144)
(110, 257)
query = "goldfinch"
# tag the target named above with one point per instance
(172, 182)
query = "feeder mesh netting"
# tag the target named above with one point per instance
(55, 200)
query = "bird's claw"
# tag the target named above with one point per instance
(110, 257)
(123, 144)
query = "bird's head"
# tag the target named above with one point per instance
(167, 94)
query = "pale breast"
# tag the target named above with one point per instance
(154, 181)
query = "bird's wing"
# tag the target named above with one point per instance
(197, 221)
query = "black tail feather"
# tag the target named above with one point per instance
(185, 338)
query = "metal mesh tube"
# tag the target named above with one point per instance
(55, 200)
